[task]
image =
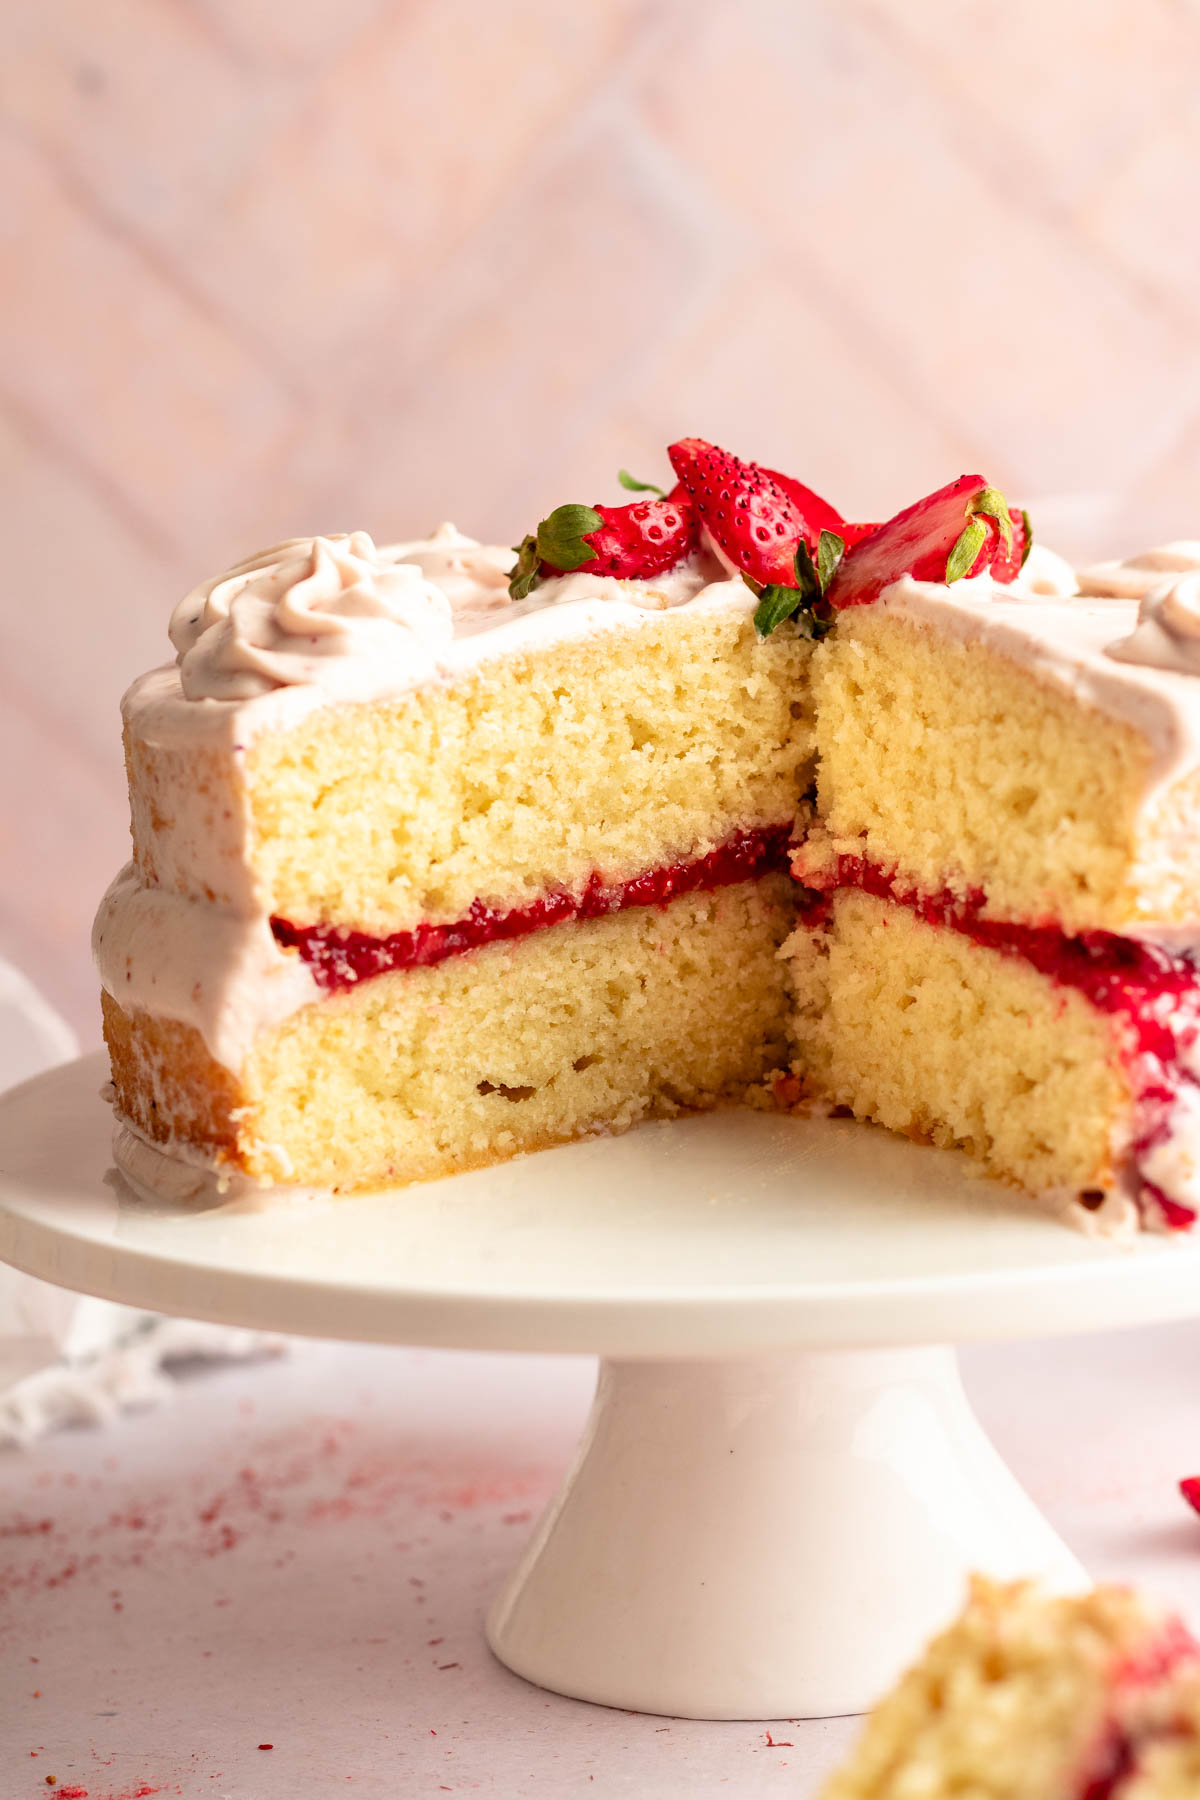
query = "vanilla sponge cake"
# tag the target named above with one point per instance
(1030, 1697)
(444, 852)
(533, 886)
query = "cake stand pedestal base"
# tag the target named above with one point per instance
(781, 1491)
(766, 1537)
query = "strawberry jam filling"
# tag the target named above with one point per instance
(1153, 995)
(339, 958)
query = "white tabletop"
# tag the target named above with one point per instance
(300, 1554)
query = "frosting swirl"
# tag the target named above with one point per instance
(329, 612)
(1130, 579)
(1047, 575)
(473, 576)
(1167, 633)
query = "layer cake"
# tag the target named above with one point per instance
(444, 852)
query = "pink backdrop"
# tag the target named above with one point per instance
(274, 268)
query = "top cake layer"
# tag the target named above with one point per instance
(991, 742)
(480, 749)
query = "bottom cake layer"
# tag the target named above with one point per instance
(916, 1027)
(582, 1027)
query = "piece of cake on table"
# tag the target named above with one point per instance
(444, 852)
(1028, 1697)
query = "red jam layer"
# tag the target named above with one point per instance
(340, 958)
(1154, 993)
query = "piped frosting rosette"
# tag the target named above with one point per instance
(330, 612)
(1166, 583)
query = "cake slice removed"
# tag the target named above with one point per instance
(1028, 1697)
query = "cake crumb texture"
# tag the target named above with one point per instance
(612, 754)
(167, 1084)
(917, 1028)
(582, 1027)
(960, 767)
(1012, 1702)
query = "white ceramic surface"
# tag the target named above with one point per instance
(753, 1528)
(766, 1537)
(730, 1233)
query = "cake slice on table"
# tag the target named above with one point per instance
(1028, 1697)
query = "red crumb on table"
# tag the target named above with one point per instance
(73, 1793)
(1189, 1487)
(266, 1746)
(22, 1527)
(778, 1743)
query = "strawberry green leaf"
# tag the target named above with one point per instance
(561, 538)
(830, 550)
(803, 605)
(527, 574)
(962, 558)
(775, 604)
(639, 487)
(1028, 538)
(808, 582)
(992, 502)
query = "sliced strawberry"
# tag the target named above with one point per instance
(820, 515)
(931, 541)
(1008, 564)
(632, 543)
(645, 538)
(852, 534)
(744, 509)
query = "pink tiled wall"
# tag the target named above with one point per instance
(270, 268)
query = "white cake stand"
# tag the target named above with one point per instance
(781, 1487)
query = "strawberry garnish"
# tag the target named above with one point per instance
(818, 513)
(958, 531)
(1009, 563)
(754, 522)
(644, 538)
(630, 543)
(852, 534)
(1189, 1487)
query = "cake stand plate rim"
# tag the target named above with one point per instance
(62, 1220)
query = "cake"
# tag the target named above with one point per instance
(1028, 1697)
(445, 852)
(459, 878)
